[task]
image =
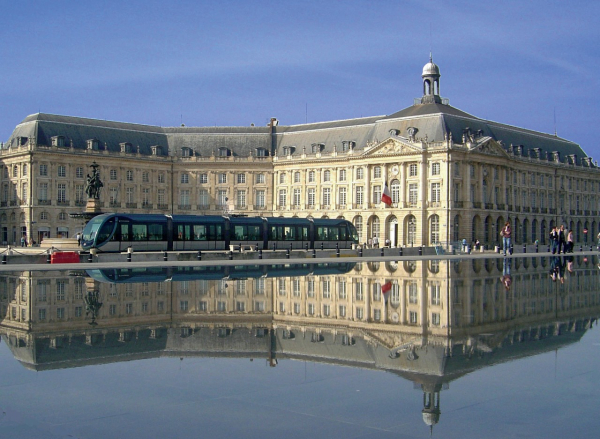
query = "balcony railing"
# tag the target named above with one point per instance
(163, 207)
(489, 206)
(203, 207)
(79, 203)
(146, 206)
(3, 204)
(131, 205)
(500, 206)
(526, 209)
(184, 206)
(44, 202)
(259, 207)
(63, 203)
(13, 202)
(553, 211)
(458, 204)
(241, 207)
(477, 204)
(544, 210)
(535, 210)
(114, 204)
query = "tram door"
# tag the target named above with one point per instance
(125, 237)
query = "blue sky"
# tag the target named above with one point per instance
(237, 63)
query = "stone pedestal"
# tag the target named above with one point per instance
(93, 205)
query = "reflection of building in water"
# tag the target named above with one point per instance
(430, 322)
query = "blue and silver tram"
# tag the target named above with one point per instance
(116, 232)
(209, 272)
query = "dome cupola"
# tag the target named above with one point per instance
(431, 83)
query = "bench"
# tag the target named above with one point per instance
(242, 247)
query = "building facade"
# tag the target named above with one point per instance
(451, 175)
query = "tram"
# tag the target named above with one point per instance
(209, 272)
(115, 232)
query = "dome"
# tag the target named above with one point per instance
(430, 418)
(431, 69)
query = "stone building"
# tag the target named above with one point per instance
(450, 175)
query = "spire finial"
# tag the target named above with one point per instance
(430, 57)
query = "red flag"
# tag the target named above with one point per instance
(385, 289)
(386, 197)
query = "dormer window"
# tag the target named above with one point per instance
(22, 141)
(58, 141)
(156, 149)
(316, 147)
(261, 152)
(186, 152)
(93, 144)
(224, 152)
(126, 147)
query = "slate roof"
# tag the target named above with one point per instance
(432, 121)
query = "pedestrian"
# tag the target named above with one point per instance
(23, 241)
(554, 239)
(506, 237)
(477, 244)
(375, 242)
(570, 243)
(562, 239)
(464, 245)
(78, 237)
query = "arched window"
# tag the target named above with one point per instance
(456, 236)
(411, 232)
(375, 227)
(434, 228)
(358, 223)
(327, 175)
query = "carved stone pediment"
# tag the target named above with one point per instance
(394, 146)
(489, 146)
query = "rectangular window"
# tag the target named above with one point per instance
(376, 194)
(241, 199)
(311, 197)
(79, 197)
(326, 196)
(377, 172)
(79, 172)
(221, 199)
(342, 196)
(342, 175)
(435, 192)
(62, 171)
(161, 197)
(241, 178)
(129, 194)
(412, 170)
(61, 195)
(203, 178)
(296, 197)
(260, 199)
(185, 178)
(161, 177)
(145, 177)
(282, 198)
(222, 178)
(359, 195)
(145, 197)
(435, 168)
(260, 178)
(184, 197)
(113, 174)
(43, 170)
(412, 193)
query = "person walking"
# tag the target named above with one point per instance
(562, 239)
(554, 239)
(506, 237)
(570, 243)
(375, 242)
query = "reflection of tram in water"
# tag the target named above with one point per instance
(116, 232)
(178, 274)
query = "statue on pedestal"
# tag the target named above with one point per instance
(92, 188)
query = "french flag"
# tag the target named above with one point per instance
(385, 289)
(386, 197)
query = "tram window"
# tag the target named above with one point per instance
(125, 232)
(343, 234)
(254, 233)
(183, 232)
(199, 233)
(304, 233)
(240, 233)
(276, 233)
(155, 232)
(322, 234)
(290, 233)
(334, 233)
(105, 231)
(140, 232)
(215, 232)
